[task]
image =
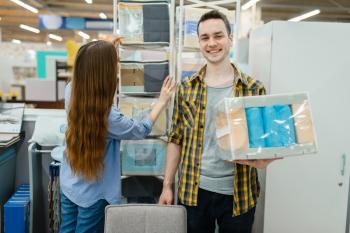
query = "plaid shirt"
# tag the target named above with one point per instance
(188, 130)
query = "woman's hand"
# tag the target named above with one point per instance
(168, 88)
(166, 92)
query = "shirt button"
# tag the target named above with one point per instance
(201, 126)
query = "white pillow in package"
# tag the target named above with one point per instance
(49, 131)
(58, 153)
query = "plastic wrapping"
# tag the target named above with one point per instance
(138, 78)
(143, 157)
(191, 17)
(191, 63)
(130, 22)
(140, 108)
(265, 127)
(140, 54)
(144, 22)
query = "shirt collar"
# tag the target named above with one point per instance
(239, 76)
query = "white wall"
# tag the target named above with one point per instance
(23, 55)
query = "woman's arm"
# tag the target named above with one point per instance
(122, 127)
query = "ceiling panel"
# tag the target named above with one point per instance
(12, 15)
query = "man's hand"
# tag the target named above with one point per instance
(257, 163)
(166, 198)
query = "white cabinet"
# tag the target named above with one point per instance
(308, 193)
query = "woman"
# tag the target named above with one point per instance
(90, 172)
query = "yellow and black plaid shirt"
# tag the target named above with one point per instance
(188, 130)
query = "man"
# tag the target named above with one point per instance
(211, 189)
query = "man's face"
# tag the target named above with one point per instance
(214, 41)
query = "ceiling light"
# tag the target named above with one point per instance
(249, 4)
(16, 41)
(305, 16)
(94, 39)
(84, 35)
(88, 1)
(29, 28)
(103, 15)
(26, 6)
(55, 37)
(49, 43)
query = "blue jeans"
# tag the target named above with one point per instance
(79, 220)
(217, 207)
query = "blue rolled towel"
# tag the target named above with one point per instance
(271, 127)
(286, 128)
(255, 127)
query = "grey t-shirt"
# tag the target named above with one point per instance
(216, 174)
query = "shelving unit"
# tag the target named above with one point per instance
(63, 76)
(144, 60)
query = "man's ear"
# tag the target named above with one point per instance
(231, 36)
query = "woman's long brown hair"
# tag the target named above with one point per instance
(93, 87)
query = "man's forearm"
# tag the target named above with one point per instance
(172, 162)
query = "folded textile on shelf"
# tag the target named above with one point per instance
(140, 54)
(132, 78)
(191, 66)
(140, 108)
(143, 22)
(143, 77)
(143, 157)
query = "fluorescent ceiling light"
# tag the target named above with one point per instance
(84, 35)
(249, 4)
(94, 39)
(55, 37)
(29, 28)
(49, 43)
(16, 41)
(305, 16)
(103, 15)
(26, 6)
(88, 1)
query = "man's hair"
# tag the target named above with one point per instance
(215, 14)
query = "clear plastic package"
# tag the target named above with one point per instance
(142, 78)
(140, 54)
(270, 126)
(139, 108)
(144, 22)
(130, 18)
(143, 157)
(191, 63)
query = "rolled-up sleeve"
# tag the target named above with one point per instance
(125, 128)
(175, 134)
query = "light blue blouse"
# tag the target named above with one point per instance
(108, 187)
